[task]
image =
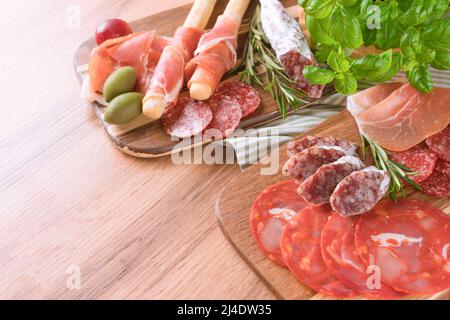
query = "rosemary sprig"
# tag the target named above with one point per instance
(397, 171)
(273, 79)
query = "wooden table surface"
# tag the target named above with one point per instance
(73, 204)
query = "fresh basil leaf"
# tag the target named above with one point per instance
(319, 8)
(404, 4)
(320, 30)
(322, 53)
(347, 2)
(411, 43)
(373, 66)
(437, 34)
(426, 55)
(420, 78)
(409, 63)
(442, 60)
(346, 83)
(389, 34)
(369, 36)
(302, 3)
(317, 75)
(338, 62)
(345, 28)
(396, 65)
(439, 9)
(418, 12)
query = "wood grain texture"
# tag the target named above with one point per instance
(136, 228)
(236, 199)
(145, 138)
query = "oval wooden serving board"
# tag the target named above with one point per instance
(145, 139)
(235, 201)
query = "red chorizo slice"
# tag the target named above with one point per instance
(409, 241)
(307, 162)
(341, 258)
(440, 144)
(247, 97)
(301, 251)
(360, 191)
(319, 187)
(271, 211)
(294, 147)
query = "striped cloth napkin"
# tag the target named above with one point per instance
(252, 147)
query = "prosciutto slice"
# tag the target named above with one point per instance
(406, 117)
(168, 76)
(216, 53)
(140, 50)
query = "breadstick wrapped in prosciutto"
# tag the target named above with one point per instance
(168, 79)
(216, 52)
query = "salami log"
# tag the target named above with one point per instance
(301, 251)
(319, 187)
(307, 162)
(341, 258)
(409, 241)
(186, 118)
(294, 147)
(360, 191)
(440, 144)
(437, 185)
(419, 159)
(226, 115)
(271, 211)
(247, 97)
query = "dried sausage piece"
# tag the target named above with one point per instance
(226, 114)
(437, 185)
(419, 159)
(307, 162)
(409, 241)
(440, 144)
(186, 118)
(271, 211)
(294, 147)
(442, 167)
(360, 191)
(300, 248)
(247, 97)
(319, 187)
(340, 256)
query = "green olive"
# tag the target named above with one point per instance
(124, 108)
(120, 81)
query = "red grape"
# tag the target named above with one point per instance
(110, 29)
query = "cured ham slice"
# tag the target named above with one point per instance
(215, 55)
(406, 117)
(168, 78)
(140, 50)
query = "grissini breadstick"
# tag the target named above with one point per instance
(168, 78)
(216, 53)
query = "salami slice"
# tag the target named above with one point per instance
(307, 162)
(271, 211)
(360, 191)
(300, 248)
(440, 144)
(226, 114)
(186, 118)
(437, 185)
(247, 97)
(419, 159)
(409, 241)
(294, 147)
(442, 167)
(319, 187)
(341, 258)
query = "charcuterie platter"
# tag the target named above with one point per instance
(143, 137)
(235, 203)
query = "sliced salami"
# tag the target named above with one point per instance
(409, 241)
(360, 191)
(341, 258)
(419, 159)
(319, 187)
(186, 118)
(247, 97)
(294, 147)
(437, 185)
(307, 162)
(301, 251)
(442, 167)
(226, 115)
(271, 211)
(440, 144)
